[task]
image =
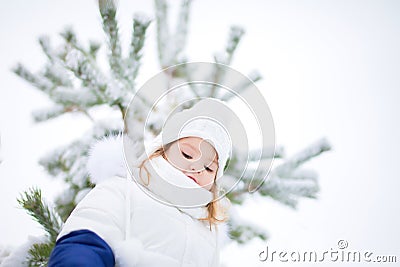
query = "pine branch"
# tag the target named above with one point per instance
(33, 203)
(140, 25)
(75, 99)
(181, 31)
(163, 35)
(37, 81)
(217, 77)
(286, 183)
(93, 49)
(57, 75)
(67, 200)
(63, 163)
(235, 35)
(83, 69)
(39, 254)
(98, 89)
(48, 113)
(245, 233)
(55, 70)
(305, 155)
(253, 77)
(108, 11)
(71, 40)
(108, 91)
(266, 152)
(44, 42)
(289, 192)
(170, 46)
(242, 231)
(69, 36)
(67, 100)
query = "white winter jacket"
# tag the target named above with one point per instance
(140, 230)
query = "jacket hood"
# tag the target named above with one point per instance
(163, 181)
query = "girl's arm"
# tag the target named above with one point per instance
(81, 248)
(93, 229)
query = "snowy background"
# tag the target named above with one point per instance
(330, 68)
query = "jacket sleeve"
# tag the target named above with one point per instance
(81, 248)
(101, 211)
(94, 227)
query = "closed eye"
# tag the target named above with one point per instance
(208, 169)
(186, 155)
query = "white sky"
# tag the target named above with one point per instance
(330, 68)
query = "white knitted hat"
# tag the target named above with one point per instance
(208, 120)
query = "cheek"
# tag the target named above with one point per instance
(208, 184)
(209, 178)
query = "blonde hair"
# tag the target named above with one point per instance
(217, 213)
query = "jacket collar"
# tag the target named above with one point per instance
(171, 187)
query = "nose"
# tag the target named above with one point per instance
(194, 169)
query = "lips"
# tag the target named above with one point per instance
(192, 178)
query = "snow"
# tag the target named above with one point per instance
(73, 59)
(18, 256)
(141, 18)
(330, 69)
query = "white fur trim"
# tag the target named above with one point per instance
(223, 234)
(106, 159)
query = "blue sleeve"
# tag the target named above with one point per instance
(81, 248)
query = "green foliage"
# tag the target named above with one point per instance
(245, 233)
(33, 203)
(39, 254)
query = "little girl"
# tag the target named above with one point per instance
(170, 216)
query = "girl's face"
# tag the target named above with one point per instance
(196, 158)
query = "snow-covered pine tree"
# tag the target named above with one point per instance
(74, 81)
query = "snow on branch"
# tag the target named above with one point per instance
(308, 153)
(48, 113)
(36, 80)
(163, 34)
(181, 31)
(286, 183)
(140, 25)
(242, 230)
(170, 46)
(108, 11)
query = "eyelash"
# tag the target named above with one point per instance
(208, 169)
(190, 157)
(186, 155)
